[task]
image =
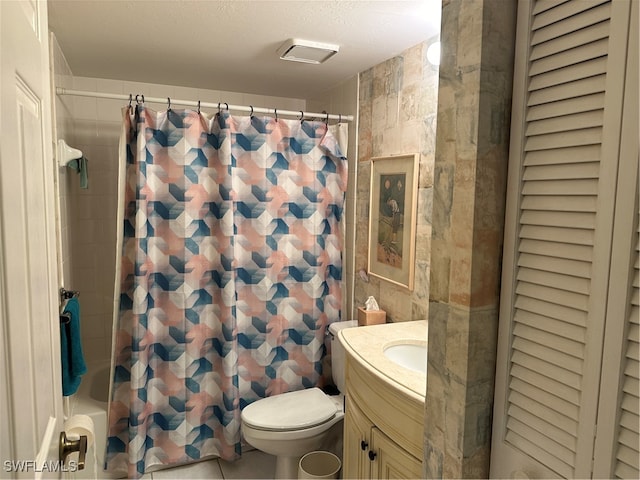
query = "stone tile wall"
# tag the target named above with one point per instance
(397, 115)
(471, 159)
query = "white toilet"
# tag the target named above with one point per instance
(292, 424)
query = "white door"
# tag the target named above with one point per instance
(31, 393)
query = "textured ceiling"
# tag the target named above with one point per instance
(231, 44)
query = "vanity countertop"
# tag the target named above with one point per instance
(366, 345)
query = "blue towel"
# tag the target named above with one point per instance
(73, 365)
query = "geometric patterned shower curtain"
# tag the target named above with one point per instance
(230, 274)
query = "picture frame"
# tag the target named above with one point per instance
(392, 218)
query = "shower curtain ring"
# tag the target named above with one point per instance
(326, 118)
(251, 114)
(198, 107)
(227, 106)
(339, 118)
(301, 116)
(218, 108)
(275, 110)
(168, 104)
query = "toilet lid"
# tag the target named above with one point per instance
(290, 411)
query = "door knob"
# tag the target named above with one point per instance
(67, 447)
(363, 445)
(372, 455)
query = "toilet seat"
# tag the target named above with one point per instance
(291, 411)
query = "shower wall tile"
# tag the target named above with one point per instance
(85, 129)
(231, 98)
(63, 127)
(133, 88)
(85, 108)
(156, 90)
(184, 93)
(109, 85)
(95, 350)
(397, 112)
(108, 132)
(251, 99)
(105, 110)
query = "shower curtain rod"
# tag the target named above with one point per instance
(171, 101)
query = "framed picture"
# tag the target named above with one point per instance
(392, 218)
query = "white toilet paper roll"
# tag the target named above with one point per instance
(77, 425)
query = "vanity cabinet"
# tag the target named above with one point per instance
(383, 428)
(369, 453)
(392, 461)
(356, 443)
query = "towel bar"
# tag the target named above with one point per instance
(67, 294)
(67, 153)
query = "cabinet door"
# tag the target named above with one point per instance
(390, 460)
(357, 441)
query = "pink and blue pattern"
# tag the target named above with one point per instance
(231, 273)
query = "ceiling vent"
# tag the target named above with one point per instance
(306, 51)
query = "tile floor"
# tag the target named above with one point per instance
(253, 464)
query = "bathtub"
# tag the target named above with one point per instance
(91, 399)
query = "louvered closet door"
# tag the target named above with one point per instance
(566, 121)
(625, 418)
(617, 450)
(627, 449)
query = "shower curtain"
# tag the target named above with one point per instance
(230, 274)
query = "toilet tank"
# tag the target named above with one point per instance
(337, 352)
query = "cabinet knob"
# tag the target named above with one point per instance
(363, 445)
(372, 455)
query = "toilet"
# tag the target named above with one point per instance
(292, 424)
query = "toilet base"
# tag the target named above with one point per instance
(287, 467)
(288, 446)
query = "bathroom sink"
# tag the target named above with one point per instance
(396, 353)
(408, 355)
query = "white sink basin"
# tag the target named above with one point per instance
(389, 351)
(408, 355)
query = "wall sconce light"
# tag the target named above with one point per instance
(433, 53)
